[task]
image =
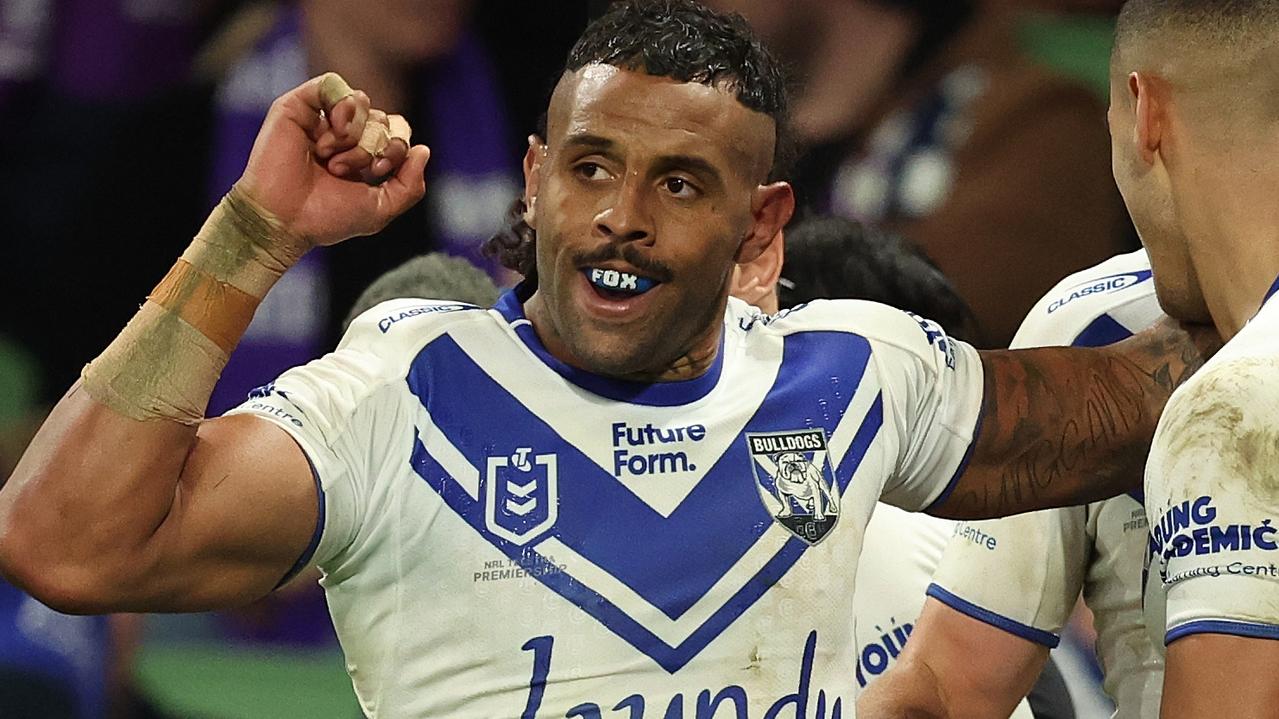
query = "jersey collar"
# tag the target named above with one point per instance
(659, 394)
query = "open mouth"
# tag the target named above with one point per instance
(616, 284)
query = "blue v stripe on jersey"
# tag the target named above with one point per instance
(670, 658)
(604, 522)
(588, 600)
(724, 506)
(1104, 330)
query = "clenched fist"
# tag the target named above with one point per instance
(327, 166)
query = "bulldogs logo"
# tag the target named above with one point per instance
(795, 482)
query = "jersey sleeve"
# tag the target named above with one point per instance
(932, 392)
(331, 407)
(1212, 494)
(1021, 574)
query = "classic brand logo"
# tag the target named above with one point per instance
(1101, 285)
(521, 495)
(385, 323)
(795, 482)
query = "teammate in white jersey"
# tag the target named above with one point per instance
(1194, 117)
(1006, 587)
(615, 494)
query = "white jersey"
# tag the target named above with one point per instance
(1024, 573)
(1212, 494)
(506, 536)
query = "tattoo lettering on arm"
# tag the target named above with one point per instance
(1063, 426)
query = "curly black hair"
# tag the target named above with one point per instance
(684, 41)
(515, 244)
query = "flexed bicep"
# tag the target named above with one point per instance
(246, 516)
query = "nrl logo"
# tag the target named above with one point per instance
(521, 495)
(795, 482)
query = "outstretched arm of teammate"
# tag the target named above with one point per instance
(127, 499)
(1064, 426)
(955, 667)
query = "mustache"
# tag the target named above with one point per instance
(627, 253)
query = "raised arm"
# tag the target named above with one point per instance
(1064, 426)
(127, 499)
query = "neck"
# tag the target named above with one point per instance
(848, 67)
(1236, 253)
(692, 363)
(332, 47)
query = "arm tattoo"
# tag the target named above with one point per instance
(1064, 426)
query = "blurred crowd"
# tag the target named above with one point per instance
(972, 130)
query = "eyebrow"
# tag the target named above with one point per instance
(689, 163)
(588, 141)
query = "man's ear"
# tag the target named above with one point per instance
(1149, 96)
(771, 207)
(533, 160)
(756, 281)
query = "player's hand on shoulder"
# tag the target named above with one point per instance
(1195, 343)
(327, 165)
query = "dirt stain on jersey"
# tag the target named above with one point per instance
(1256, 459)
(1220, 415)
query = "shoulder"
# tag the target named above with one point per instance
(1244, 371)
(398, 319)
(396, 330)
(376, 353)
(1259, 338)
(1121, 289)
(883, 326)
(1230, 408)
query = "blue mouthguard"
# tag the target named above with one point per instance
(619, 281)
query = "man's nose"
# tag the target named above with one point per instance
(625, 218)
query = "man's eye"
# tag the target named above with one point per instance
(590, 171)
(679, 187)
